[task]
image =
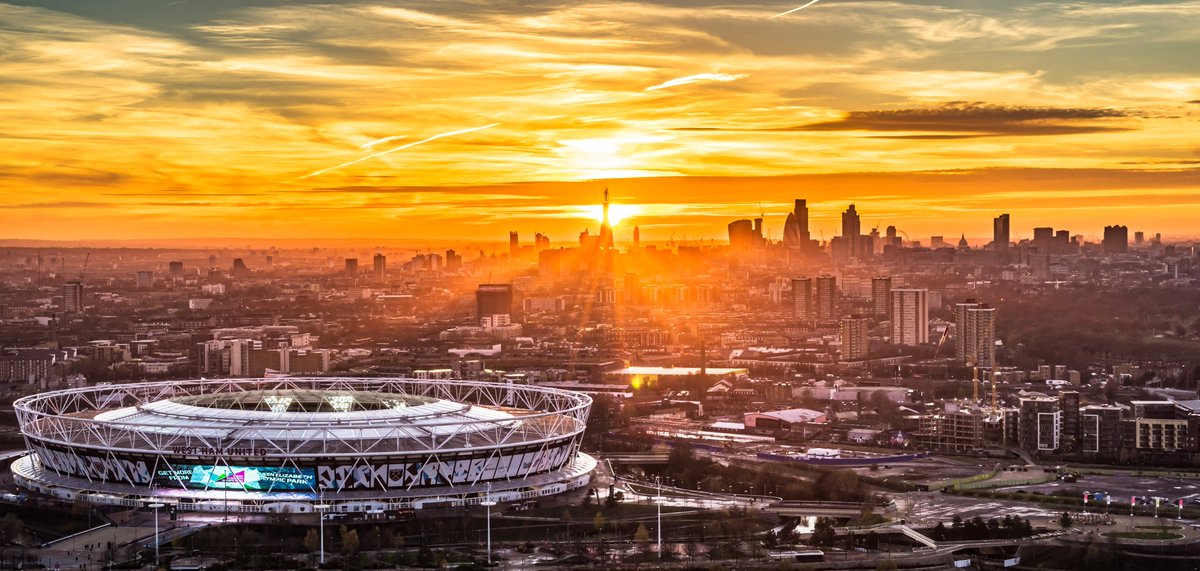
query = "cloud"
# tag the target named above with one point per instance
(958, 120)
(721, 77)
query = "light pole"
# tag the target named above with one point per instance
(321, 507)
(156, 505)
(659, 500)
(487, 501)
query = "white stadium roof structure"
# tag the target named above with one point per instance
(396, 441)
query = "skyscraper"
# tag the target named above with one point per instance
(852, 232)
(826, 298)
(606, 231)
(1116, 239)
(852, 338)
(175, 269)
(73, 297)
(881, 289)
(975, 334)
(637, 238)
(802, 299)
(1001, 238)
(145, 280)
(910, 316)
(795, 227)
(352, 266)
(741, 234)
(380, 262)
(514, 244)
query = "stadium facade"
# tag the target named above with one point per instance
(288, 444)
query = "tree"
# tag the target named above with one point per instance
(642, 535)
(823, 534)
(312, 541)
(349, 540)
(1065, 520)
(939, 532)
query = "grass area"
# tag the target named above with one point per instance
(1158, 527)
(1142, 535)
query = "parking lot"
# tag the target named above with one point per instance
(1120, 487)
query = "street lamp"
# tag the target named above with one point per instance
(488, 502)
(659, 500)
(321, 507)
(156, 505)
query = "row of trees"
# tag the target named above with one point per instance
(978, 529)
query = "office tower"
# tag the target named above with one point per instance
(741, 234)
(1001, 237)
(936, 242)
(852, 232)
(852, 338)
(892, 240)
(514, 244)
(606, 231)
(212, 260)
(270, 261)
(351, 266)
(910, 316)
(1116, 239)
(637, 237)
(802, 299)
(826, 298)
(492, 300)
(795, 227)
(145, 280)
(975, 334)
(380, 264)
(1043, 239)
(876, 241)
(881, 288)
(175, 269)
(239, 270)
(453, 261)
(73, 297)
(1139, 238)
(540, 242)
(1062, 241)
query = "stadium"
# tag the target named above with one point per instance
(291, 444)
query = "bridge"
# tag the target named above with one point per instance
(642, 458)
(818, 509)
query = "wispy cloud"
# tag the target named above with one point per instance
(793, 10)
(400, 148)
(719, 77)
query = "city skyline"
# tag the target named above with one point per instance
(272, 120)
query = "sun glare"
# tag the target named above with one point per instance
(616, 212)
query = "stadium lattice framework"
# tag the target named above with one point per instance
(286, 444)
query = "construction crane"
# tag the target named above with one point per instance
(83, 269)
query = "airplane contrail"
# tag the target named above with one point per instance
(695, 78)
(810, 3)
(400, 148)
(381, 141)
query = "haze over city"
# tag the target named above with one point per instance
(599, 284)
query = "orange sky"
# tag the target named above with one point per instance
(128, 119)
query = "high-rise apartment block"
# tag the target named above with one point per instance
(910, 316)
(881, 289)
(975, 334)
(852, 338)
(73, 297)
